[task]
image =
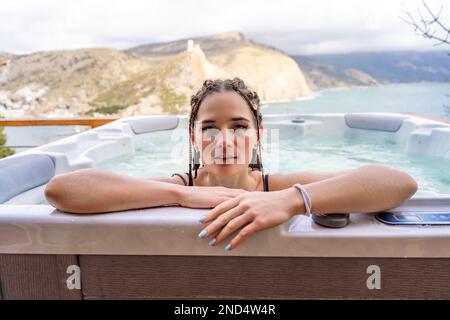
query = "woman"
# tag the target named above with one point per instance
(225, 128)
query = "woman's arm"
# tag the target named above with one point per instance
(280, 181)
(95, 191)
(367, 189)
(370, 188)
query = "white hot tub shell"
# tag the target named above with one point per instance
(28, 225)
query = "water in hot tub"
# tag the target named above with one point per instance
(161, 154)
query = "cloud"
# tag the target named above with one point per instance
(301, 27)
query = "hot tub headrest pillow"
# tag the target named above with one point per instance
(22, 173)
(380, 122)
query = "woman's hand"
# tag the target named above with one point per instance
(250, 212)
(206, 197)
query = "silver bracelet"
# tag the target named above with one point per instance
(306, 198)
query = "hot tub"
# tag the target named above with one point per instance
(155, 252)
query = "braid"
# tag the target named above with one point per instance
(211, 86)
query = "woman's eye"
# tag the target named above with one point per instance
(207, 128)
(241, 126)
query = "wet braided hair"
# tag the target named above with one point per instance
(211, 86)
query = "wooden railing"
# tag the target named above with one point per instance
(87, 121)
(95, 122)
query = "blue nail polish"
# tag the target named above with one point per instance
(212, 242)
(202, 234)
(228, 247)
(202, 219)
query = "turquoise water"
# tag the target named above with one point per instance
(425, 98)
(156, 157)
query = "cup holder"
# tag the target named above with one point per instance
(332, 220)
(298, 120)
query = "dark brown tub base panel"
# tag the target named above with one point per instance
(29, 276)
(204, 277)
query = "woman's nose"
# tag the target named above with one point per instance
(226, 137)
(224, 142)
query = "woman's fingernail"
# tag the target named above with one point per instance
(228, 247)
(202, 234)
(212, 242)
(202, 219)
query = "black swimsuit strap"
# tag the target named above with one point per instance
(266, 182)
(191, 181)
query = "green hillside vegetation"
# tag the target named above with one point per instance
(4, 151)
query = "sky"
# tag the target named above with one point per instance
(296, 27)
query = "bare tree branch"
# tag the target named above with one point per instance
(430, 27)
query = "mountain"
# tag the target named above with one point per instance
(321, 75)
(269, 71)
(231, 51)
(72, 73)
(44, 81)
(152, 79)
(4, 56)
(392, 67)
(159, 78)
(209, 44)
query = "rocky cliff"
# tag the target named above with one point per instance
(153, 79)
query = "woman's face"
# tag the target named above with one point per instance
(225, 132)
